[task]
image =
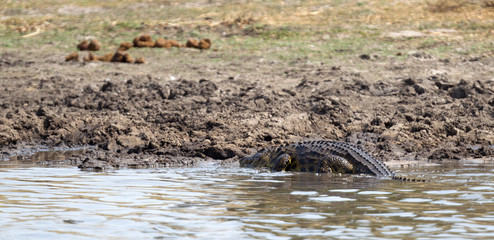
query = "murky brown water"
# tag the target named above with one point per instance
(213, 202)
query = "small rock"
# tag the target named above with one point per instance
(450, 130)
(109, 145)
(409, 81)
(41, 112)
(108, 86)
(441, 154)
(459, 92)
(365, 57)
(419, 89)
(220, 152)
(91, 88)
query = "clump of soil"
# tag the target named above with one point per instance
(125, 46)
(166, 43)
(192, 43)
(83, 46)
(139, 42)
(140, 60)
(94, 45)
(91, 45)
(105, 58)
(174, 43)
(204, 43)
(162, 43)
(143, 41)
(118, 56)
(121, 56)
(72, 57)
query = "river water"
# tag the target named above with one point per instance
(218, 202)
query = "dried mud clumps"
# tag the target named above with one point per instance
(140, 60)
(83, 46)
(91, 45)
(128, 58)
(140, 41)
(166, 43)
(175, 44)
(72, 57)
(90, 57)
(143, 41)
(162, 43)
(192, 43)
(125, 46)
(105, 58)
(204, 43)
(94, 45)
(118, 56)
(121, 56)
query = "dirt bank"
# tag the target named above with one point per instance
(415, 108)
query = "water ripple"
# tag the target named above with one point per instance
(226, 203)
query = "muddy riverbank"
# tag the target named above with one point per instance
(170, 112)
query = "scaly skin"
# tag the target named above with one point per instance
(320, 157)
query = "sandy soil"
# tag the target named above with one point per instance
(171, 112)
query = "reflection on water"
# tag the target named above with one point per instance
(214, 202)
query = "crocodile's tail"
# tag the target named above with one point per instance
(406, 179)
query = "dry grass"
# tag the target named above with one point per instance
(288, 23)
(442, 6)
(18, 15)
(488, 4)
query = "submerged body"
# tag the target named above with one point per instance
(320, 157)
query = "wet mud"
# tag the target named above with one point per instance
(416, 108)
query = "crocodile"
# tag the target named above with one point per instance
(321, 157)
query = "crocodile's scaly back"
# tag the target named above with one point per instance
(363, 161)
(320, 157)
